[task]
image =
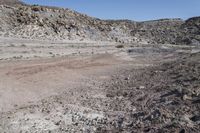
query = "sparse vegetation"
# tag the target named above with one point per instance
(120, 46)
(23, 45)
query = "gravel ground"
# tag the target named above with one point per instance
(164, 98)
(161, 94)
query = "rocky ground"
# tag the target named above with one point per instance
(148, 88)
(164, 98)
(65, 72)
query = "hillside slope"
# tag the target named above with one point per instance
(57, 24)
(51, 23)
(10, 2)
(190, 32)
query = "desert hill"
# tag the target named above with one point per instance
(41, 22)
(10, 2)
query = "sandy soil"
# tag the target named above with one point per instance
(82, 88)
(27, 81)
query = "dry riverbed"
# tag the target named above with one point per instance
(91, 87)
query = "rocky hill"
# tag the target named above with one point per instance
(159, 31)
(11, 2)
(190, 32)
(40, 22)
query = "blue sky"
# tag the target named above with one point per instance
(138, 10)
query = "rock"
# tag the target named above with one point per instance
(185, 97)
(142, 87)
(126, 78)
(109, 95)
(195, 118)
(57, 122)
(182, 131)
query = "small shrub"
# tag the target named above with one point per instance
(36, 8)
(120, 46)
(11, 45)
(23, 45)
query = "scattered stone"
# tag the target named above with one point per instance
(142, 87)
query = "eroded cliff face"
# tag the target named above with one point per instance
(41, 22)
